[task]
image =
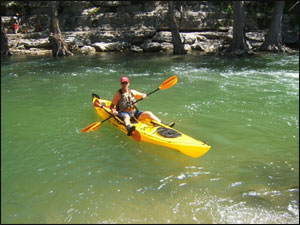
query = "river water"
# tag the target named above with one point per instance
(247, 109)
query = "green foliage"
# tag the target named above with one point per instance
(228, 10)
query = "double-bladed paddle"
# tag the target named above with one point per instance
(135, 134)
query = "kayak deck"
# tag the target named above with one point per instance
(155, 132)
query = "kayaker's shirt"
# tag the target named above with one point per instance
(127, 101)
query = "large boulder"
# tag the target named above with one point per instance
(151, 46)
(87, 50)
(111, 46)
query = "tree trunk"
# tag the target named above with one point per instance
(273, 39)
(178, 47)
(59, 48)
(238, 45)
(4, 42)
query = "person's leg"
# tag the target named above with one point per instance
(126, 119)
(148, 115)
(151, 116)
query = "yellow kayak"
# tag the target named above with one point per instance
(154, 132)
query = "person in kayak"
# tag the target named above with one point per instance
(123, 105)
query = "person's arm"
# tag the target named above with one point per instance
(138, 95)
(113, 104)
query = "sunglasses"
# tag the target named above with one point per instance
(124, 82)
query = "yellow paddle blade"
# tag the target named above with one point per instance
(169, 83)
(91, 127)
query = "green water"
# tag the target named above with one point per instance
(247, 109)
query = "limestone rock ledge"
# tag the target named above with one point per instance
(145, 40)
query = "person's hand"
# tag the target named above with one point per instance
(115, 112)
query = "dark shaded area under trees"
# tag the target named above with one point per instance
(179, 14)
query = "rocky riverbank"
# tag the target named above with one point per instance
(86, 42)
(140, 27)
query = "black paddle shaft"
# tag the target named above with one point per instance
(111, 115)
(147, 95)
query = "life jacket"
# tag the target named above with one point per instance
(127, 101)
